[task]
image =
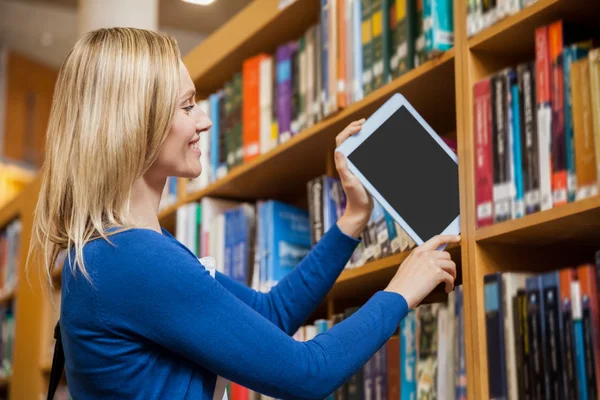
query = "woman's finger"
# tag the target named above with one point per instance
(449, 266)
(351, 129)
(342, 167)
(440, 255)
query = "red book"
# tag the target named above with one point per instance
(484, 178)
(558, 143)
(251, 106)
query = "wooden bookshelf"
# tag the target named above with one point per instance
(441, 90)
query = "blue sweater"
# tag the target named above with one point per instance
(155, 325)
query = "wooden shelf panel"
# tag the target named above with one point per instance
(259, 27)
(363, 282)
(283, 172)
(577, 222)
(514, 35)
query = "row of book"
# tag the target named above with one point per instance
(543, 333)
(256, 244)
(424, 360)
(357, 47)
(10, 241)
(537, 129)
(482, 14)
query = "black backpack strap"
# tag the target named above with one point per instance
(58, 363)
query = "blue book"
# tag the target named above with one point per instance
(577, 315)
(214, 134)
(517, 152)
(408, 356)
(230, 227)
(288, 239)
(357, 50)
(438, 19)
(570, 54)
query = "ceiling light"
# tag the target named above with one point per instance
(200, 2)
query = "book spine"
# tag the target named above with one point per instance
(484, 178)
(519, 205)
(594, 57)
(357, 55)
(569, 378)
(332, 105)
(534, 316)
(529, 138)
(266, 105)
(553, 348)
(250, 108)
(325, 10)
(341, 56)
(239, 124)
(408, 356)
(494, 317)
(583, 130)
(392, 348)
(367, 46)
(591, 325)
(523, 347)
(557, 141)
(579, 345)
(389, 30)
(420, 55)
(297, 49)
(377, 28)
(569, 55)
(284, 92)
(401, 61)
(544, 115)
(502, 162)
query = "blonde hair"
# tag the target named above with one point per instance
(112, 108)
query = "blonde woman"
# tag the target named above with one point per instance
(141, 317)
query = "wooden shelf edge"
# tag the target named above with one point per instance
(509, 22)
(345, 113)
(541, 217)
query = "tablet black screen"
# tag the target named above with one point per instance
(412, 172)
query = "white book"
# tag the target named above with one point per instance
(511, 282)
(266, 103)
(544, 119)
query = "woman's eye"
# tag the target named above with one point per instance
(188, 108)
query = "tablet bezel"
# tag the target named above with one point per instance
(368, 128)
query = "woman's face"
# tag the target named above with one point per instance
(180, 154)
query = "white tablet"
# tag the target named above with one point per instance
(408, 169)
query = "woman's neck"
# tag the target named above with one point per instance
(145, 199)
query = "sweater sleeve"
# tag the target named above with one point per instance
(156, 290)
(296, 297)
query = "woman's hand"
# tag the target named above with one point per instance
(359, 203)
(423, 270)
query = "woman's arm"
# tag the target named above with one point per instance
(295, 297)
(161, 292)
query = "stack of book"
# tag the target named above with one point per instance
(543, 333)
(537, 129)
